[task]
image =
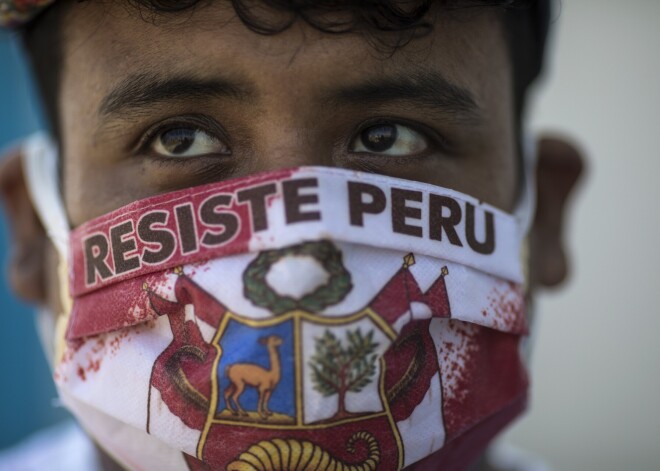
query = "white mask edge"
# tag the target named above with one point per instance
(40, 166)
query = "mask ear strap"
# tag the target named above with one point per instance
(40, 166)
(524, 211)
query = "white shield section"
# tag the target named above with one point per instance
(317, 406)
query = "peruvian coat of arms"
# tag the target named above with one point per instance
(298, 389)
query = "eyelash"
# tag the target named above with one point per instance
(197, 122)
(434, 138)
(436, 141)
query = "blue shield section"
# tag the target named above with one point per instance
(240, 345)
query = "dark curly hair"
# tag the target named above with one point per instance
(388, 24)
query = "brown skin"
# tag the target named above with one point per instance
(287, 117)
(285, 109)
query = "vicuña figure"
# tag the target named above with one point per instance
(247, 374)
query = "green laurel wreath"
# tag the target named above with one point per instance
(339, 284)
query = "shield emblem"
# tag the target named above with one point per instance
(301, 386)
(297, 389)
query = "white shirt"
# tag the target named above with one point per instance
(63, 447)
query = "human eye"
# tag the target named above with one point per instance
(389, 139)
(184, 140)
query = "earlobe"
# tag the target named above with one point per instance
(27, 262)
(560, 165)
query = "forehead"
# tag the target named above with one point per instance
(113, 40)
(297, 92)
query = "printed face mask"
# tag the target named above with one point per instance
(310, 318)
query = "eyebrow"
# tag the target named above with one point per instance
(424, 88)
(143, 90)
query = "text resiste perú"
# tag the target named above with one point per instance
(187, 228)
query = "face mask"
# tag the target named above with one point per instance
(309, 318)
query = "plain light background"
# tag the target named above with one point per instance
(596, 363)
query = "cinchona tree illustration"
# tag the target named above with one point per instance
(338, 369)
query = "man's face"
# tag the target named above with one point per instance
(198, 97)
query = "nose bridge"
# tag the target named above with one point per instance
(289, 139)
(290, 130)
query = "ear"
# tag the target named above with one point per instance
(26, 270)
(560, 165)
